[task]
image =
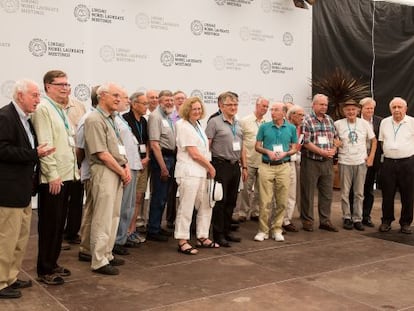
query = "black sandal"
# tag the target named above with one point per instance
(203, 244)
(188, 251)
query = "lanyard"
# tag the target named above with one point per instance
(197, 128)
(233, 127)
(396, 130)
(60, 113)
(111, 122)
(138, 125)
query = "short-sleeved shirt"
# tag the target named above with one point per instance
(250, 126)
(272, 135)
(397, 139)
(100, 136)
(85, 170)
(319, 132)
(223, 137)
(354, 137)
(130, 142)
(190, 136)
(161, 129)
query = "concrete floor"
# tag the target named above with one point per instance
(316, 270)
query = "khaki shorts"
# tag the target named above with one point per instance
(142, 180)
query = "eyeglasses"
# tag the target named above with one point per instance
(300, 114)
(66, 85)
(231, 105)
(145, 104)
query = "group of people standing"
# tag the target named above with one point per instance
(52, 145)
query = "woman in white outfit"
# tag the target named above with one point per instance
(191, 172)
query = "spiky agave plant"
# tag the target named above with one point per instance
(340, 86)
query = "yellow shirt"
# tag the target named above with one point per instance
(250, 126)
(52, 126)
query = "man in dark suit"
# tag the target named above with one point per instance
(367, 112)
(19, 156)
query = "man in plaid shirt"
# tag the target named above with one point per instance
(317, 164)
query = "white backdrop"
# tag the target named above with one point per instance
(203, 47)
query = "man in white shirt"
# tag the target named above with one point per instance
(397, 172)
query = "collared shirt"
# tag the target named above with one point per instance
(397, 138)
(272, 135)
(190, 136)
(161, 129)
(175, 116)
(224, 137)
(85, 170)
(250, 126)
(130, 142)
(319, 132)
(75, 110)
(52, 127)
(25, 122)
(101, 136)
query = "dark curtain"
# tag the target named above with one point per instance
(342, 37)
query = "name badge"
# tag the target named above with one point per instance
(322, 140)
(165, 123)
(121, 149)
(71, 141)
(277, 148)
(236, 146)
(142, 148)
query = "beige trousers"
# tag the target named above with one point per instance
(14, 234)
(106, 191)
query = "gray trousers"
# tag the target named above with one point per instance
(316, 174)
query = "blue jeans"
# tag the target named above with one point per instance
(127, 209)
(159, 192)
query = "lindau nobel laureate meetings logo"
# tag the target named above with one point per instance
(266, 66)
(82, 13)
(142, 20)
(167, 58)
(37, 47)
(107, 53)
(197, 27)
(82, 92)
(10, 6)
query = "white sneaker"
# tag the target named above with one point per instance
(278, 237)
(261, 236)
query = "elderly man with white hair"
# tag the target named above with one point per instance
(397, 172)
(276, 141)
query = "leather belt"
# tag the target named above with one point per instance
(232, 162)
(273, 163)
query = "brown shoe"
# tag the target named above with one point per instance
(328, 226)
(307, 225)
(384, 227)
(406, 229)
(290, 228)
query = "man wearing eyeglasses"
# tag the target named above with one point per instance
(163, 156)
(57, 173)
(138, 124)
(228, 157)
(109, 172)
